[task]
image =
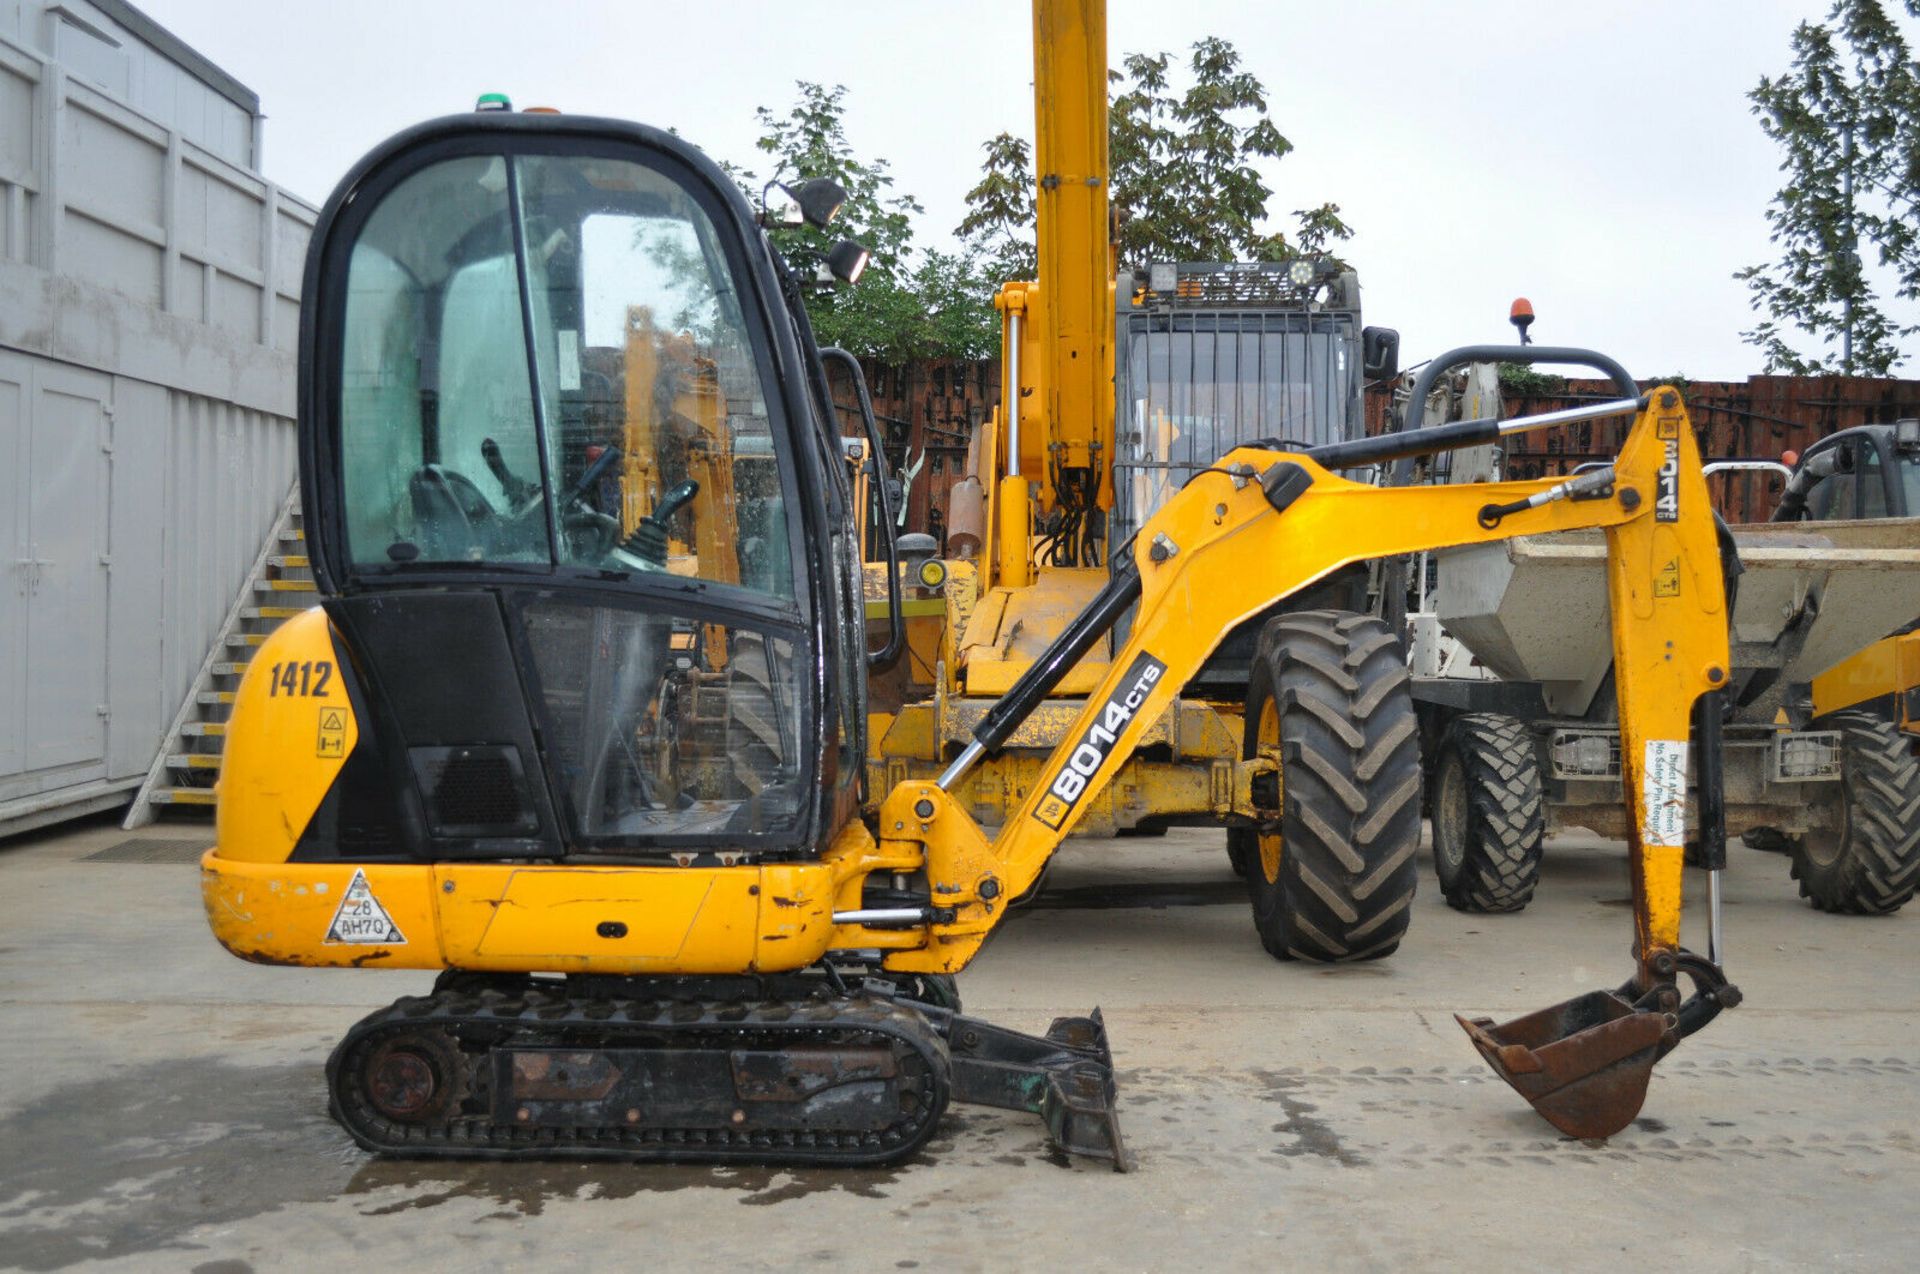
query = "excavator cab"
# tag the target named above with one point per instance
(581, 530)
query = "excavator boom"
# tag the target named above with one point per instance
(1584, 1065)
(1294, 517)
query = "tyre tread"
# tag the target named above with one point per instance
(1506, 815)
(1350, 759)
(1881, 870)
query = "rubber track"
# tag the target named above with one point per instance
(1506, 824)
(478, 1022)
(1880, 868)
(1350, 761)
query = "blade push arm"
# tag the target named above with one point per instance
(1256, 529)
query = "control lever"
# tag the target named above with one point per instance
(517, 489)
(591, 476)
(648, 541)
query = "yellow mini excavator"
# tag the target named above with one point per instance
(579, 719)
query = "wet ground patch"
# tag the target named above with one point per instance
(128, 1163)
(133, 1163)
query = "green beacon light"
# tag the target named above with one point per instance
(493, 102)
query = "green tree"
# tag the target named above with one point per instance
(908, 304)
(1000, 211)
(1186, 177)
(810, 140)
(956, 315)
(1847, 116)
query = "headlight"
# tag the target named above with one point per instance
(1300, 273)
(933, 573)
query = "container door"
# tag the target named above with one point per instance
(16, 568)
(66, 611)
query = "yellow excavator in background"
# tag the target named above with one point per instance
(580, 718)
(1117, 387)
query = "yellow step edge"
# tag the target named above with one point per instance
(181, 796)
(193, 761)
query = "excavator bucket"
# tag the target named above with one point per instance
(1583, 1063)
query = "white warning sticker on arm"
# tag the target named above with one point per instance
(1663, 790)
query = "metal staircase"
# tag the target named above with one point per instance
(279, 587)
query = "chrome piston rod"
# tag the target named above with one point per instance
(1569, 415)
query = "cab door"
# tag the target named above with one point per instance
(557, 442)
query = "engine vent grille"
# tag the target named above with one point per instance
(474, 791)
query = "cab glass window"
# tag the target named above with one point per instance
(546, 362)
(1845, 483)
(661, 726)
(1873, 482)
(1193, 388)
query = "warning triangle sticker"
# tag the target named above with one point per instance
(361, 921)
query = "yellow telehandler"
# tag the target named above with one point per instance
(1118, 385)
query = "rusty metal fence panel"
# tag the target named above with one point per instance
(928, 413)
(1756, 419)
(932, 408)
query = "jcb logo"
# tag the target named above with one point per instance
(1098, 741)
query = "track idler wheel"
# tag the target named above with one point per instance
(416, 1078)
(1584, 1063)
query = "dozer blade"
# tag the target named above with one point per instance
(1583, 1064)
(1065, 1077)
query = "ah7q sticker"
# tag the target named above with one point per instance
(361, 921)
(1663, 790)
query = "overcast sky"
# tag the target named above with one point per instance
(1598, 158)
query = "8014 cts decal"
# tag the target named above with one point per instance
(1098, 741)
(1666, 498)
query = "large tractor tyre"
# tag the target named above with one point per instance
(1872, 865)
(1489, 817)
(1328, 697)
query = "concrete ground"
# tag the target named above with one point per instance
(161, 1103)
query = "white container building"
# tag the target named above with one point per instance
(149, 302)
